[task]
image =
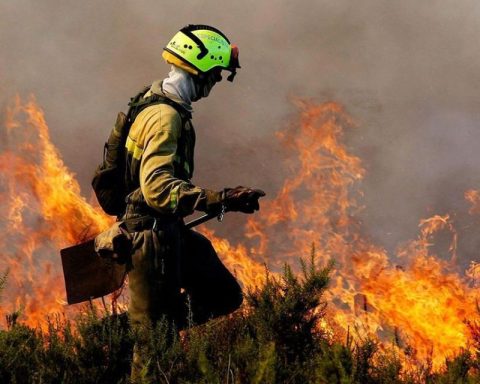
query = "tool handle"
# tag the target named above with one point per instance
(200, 220)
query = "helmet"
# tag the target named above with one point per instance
(199, 48)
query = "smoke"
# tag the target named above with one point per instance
(407, 71)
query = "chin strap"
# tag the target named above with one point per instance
(232, 76)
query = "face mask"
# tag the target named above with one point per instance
(180, 84)
(203, 85)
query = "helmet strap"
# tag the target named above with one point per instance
(232, 76)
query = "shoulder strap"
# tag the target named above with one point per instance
(138, 103)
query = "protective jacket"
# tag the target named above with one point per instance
(160, 163)
(165, 255)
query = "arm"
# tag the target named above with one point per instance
(161, 189)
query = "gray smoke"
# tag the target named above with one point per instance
(408, 71)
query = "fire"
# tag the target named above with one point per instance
(44, 213)
(414, 298)
(237, 258)
(421, 305)
(473, 197)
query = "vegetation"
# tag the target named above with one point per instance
(275, 339)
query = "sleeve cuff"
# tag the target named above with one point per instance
(214, 200)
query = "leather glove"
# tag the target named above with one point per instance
(242, 199)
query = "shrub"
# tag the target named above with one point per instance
(276, 338)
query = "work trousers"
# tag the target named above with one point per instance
(175, 273)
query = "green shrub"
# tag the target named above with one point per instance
(274, 339)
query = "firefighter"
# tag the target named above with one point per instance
(175, 273)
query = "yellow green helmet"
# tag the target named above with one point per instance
(201, 48)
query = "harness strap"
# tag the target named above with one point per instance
(139, 103)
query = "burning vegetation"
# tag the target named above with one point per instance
(414, 306)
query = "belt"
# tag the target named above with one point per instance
(142, 223)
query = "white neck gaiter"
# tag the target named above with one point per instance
(180, 84)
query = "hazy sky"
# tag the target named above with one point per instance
(408, 72)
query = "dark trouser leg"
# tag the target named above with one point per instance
(154, 276)
(212, 289)
(154, 289)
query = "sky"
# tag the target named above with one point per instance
(406, 71)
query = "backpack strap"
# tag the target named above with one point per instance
(138, 103)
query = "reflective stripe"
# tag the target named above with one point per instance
(132, 148)
(174, 197)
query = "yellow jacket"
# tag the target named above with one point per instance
(160, 164)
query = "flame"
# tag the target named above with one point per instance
(44, 213)
(421, 306)
(418, 308)
(473, 197)
(238, 260)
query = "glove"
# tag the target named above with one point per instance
(242, 199)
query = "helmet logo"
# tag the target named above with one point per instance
(177, 47)
(213, 38)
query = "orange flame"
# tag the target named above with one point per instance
(44, 212)
(421, 305)
(473, 197)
